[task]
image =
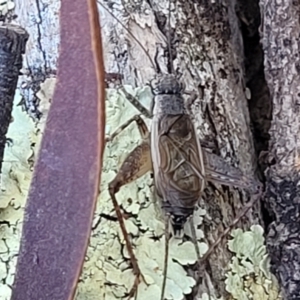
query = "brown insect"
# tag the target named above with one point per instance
(180, 166)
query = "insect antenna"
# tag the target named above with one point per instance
(167, 238)
(169, 40)
(132, 35)
(167, 219)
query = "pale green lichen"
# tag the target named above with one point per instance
(249, 276)
(6, 6)
(15, 172)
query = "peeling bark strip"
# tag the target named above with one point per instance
(12, 45)
(280, 39)
(65, 184)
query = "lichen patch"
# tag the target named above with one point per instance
(249, 276)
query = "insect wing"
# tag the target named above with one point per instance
(177, 160)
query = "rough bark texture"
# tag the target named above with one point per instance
(280, 39)
(260, 105)
(40, 18)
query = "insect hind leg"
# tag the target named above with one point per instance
(142, 127)
(137, 163)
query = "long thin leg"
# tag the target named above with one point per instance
(135, 266)
(136, 103)
(194, 236)
(140, 124)
(165, 272)
(227, 230)
(137, 163)
(231, 226)
(200, 267)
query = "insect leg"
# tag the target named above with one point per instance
(136, 103)
(191, 99)
(199, 260)
(167, 238)
(141, 126)
(218, 171)
(231, 226)
(137, 163)
(193, 231)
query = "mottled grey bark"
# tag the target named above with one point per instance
(280, 32)
(12, 40)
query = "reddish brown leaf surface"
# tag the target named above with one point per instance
(65, 183)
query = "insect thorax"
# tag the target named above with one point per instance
(168, 95)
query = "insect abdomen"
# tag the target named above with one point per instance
(180, 210)
(178, 166)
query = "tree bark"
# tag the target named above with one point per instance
(40, 18)
(280, 40)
